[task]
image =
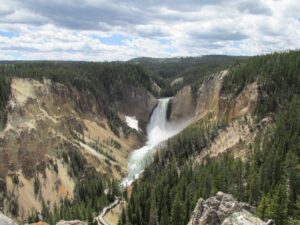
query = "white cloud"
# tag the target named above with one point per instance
(75, 30)
(22, 16)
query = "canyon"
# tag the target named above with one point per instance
(74, 146)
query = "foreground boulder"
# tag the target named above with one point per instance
(4, 220)
(39, 223)
(224, 209)
(71, 222)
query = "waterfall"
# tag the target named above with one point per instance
(159, 129)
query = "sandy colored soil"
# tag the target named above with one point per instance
(42, 120)
(112, 217)
(22, 89)
(234, 138)
(53, 188)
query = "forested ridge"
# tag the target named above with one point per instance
(277, 75)
(192, 70)
(93, 191)
(268, 179)
(104, 80)
(172, 67)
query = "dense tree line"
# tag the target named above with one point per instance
(4, 95)
(92, 193)
(192, 70)
(90, 199)
(104, 80)
(269, 179)
(277, 75)
(172, 67)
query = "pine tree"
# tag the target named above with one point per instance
(122, 220)
(164, 218)
(263, 208)
(177, 212)
(292, 178)
(153, 218)
(187, 209)
(278, 207)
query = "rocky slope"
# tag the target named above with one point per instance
(136, 102)
(224, 209)
(208, 99)
(48, 125)
(183, 104)
(235, 112)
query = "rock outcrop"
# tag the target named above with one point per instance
(224, 209)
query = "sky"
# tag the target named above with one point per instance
(106, 30)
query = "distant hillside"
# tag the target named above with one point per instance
(173, 73)
(170, 67)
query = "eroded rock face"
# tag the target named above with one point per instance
(183, 104)
(223, 209)
(200, 102)
(208, 95)
(136, 102)
(208, 100)
(243, 104)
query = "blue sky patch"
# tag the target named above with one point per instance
(115, 39)
(171, 50)
(164, 41)
(7, 34)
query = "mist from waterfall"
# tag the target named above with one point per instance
(159, 129)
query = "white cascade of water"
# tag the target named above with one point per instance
(159, 129)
